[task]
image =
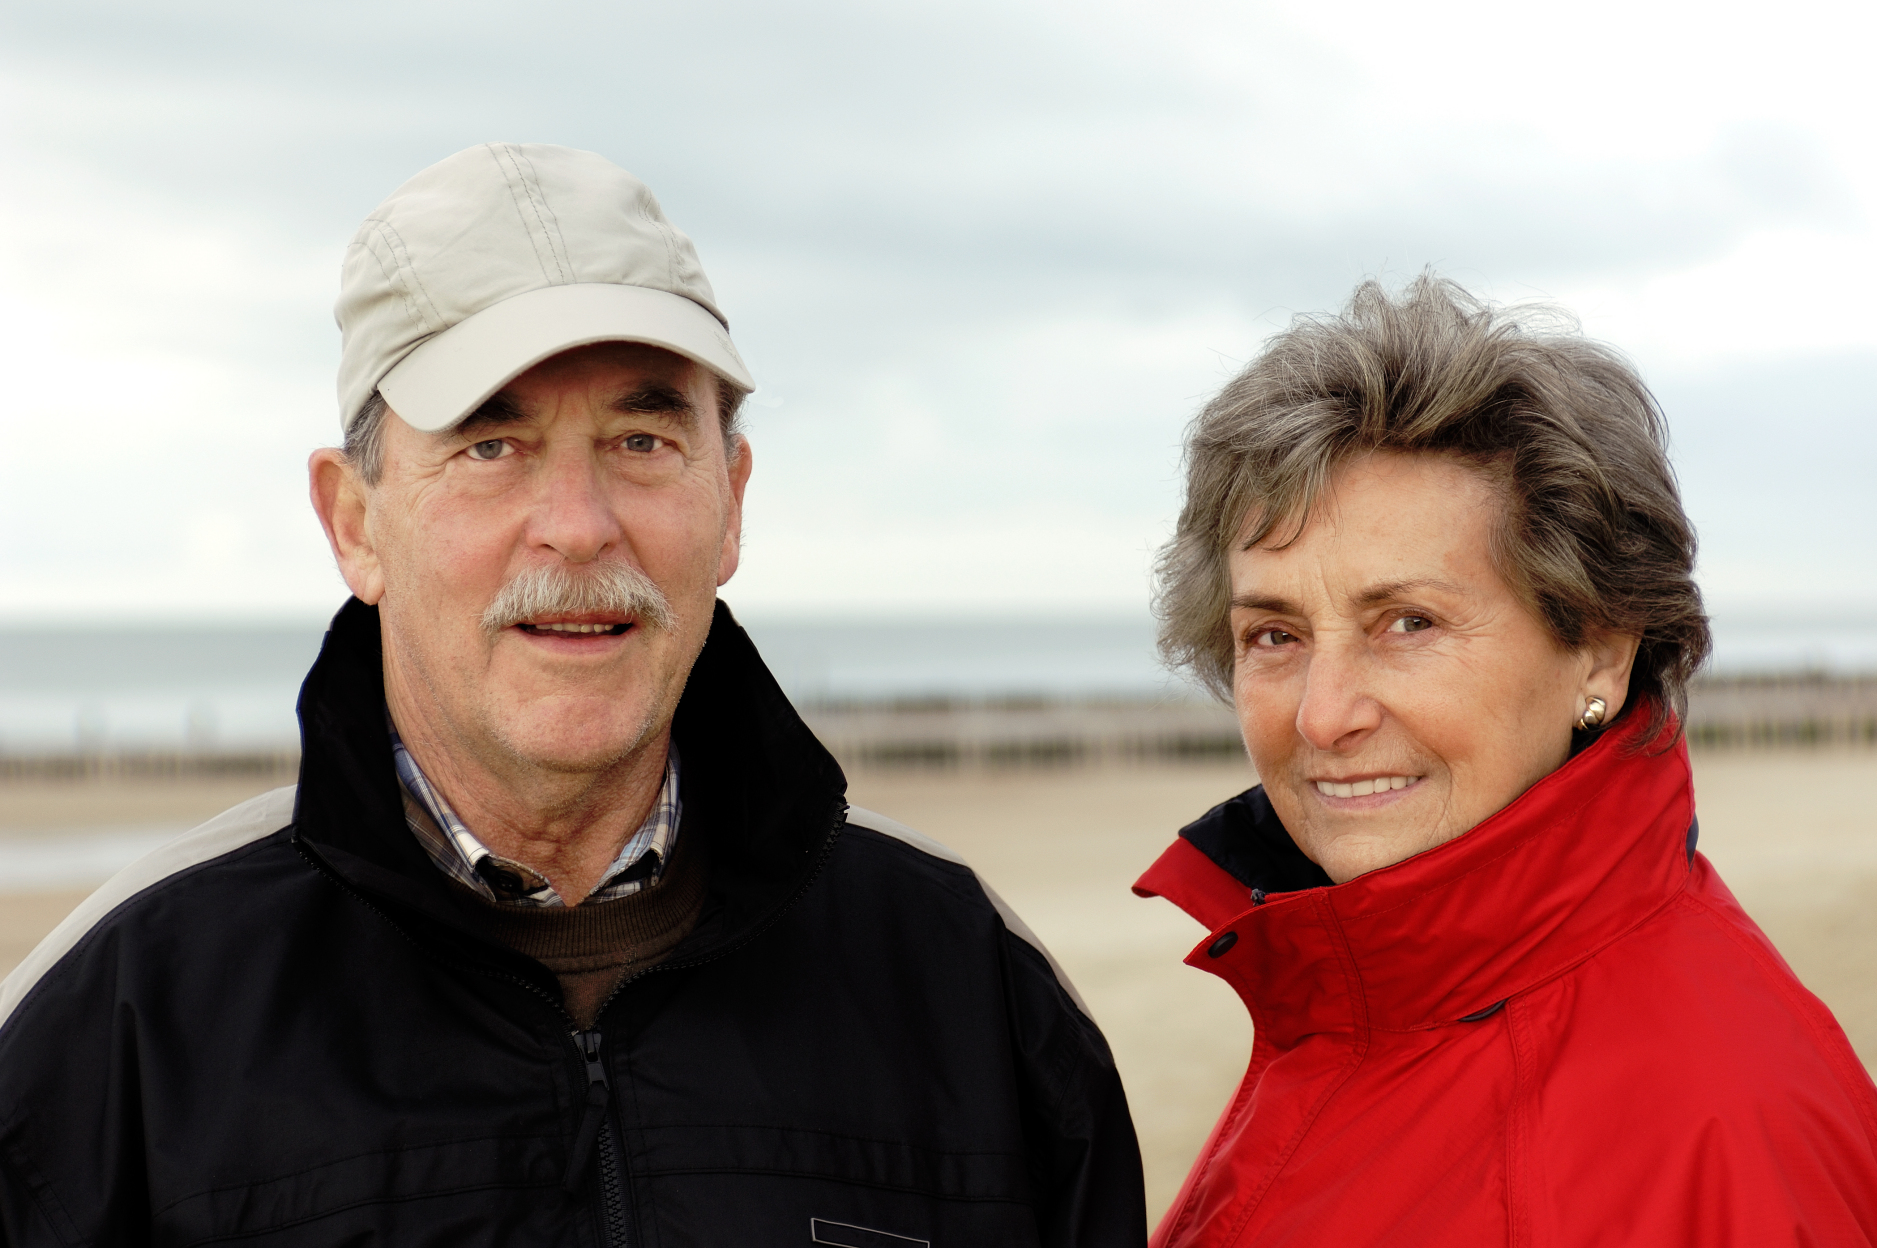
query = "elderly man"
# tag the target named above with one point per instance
(567, 933)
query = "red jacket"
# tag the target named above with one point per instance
(1558, 1029)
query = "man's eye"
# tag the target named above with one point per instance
(641, 442)
(1272, 637)
(1410, 624)
(492, 449)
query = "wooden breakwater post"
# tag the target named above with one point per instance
(1724, 712)
(281, 766)
(1793, 710)
(1024, 732)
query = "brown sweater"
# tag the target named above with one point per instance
(591, 947)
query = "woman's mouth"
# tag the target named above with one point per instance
(1364, 787)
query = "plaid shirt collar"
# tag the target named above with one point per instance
(459, 855)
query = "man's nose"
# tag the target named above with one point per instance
(574, 512)
(1338, 708)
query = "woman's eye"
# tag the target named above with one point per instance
(492, 449)
(1410, 624)
(641, 442)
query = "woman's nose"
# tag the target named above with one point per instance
(1337, 708)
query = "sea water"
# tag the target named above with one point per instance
(220, 687)
(217, 687)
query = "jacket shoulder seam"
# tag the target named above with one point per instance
(234, 829)
(1834, 1048)
(1013, 923)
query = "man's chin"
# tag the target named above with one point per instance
(571, 758)
(571, 742)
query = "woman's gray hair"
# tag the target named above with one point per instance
(365, 437)
(1594, 536)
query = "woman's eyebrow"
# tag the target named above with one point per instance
(1388, 591)
(1264, 602)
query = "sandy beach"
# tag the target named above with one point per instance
(1793, 833)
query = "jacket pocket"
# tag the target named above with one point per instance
(706, 1186)
(491, 1190)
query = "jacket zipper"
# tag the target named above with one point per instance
(596, 1128)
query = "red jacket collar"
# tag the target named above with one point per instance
(1581, 857)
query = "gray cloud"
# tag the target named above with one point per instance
(990, 255)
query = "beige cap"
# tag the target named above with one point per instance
(500, 256)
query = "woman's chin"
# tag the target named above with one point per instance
(1344, 855)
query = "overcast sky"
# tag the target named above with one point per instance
(986, 259)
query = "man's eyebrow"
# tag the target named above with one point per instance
(656, 399)
(1391, 590)
(498, 409)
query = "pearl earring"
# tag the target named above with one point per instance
(1593, 714)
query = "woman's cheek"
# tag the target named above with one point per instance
(1266, 711)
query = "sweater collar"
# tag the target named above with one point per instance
(460, 854)
(760, 794)
(1580, 858)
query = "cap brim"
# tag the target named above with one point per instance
(449, 376)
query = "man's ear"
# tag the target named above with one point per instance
(343, 503)
(732, 552)
(1610, 657)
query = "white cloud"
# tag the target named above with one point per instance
(991, 256)
(1774, 295)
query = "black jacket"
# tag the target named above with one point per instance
(282, 1029)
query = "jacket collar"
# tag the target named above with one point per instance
(1580, 858)
(761, 797)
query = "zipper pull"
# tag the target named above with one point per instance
(599, 1091)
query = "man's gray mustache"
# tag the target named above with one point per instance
(551, 591)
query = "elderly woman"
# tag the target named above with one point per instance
(1435, 556)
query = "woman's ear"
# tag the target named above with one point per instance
(1610, 657)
